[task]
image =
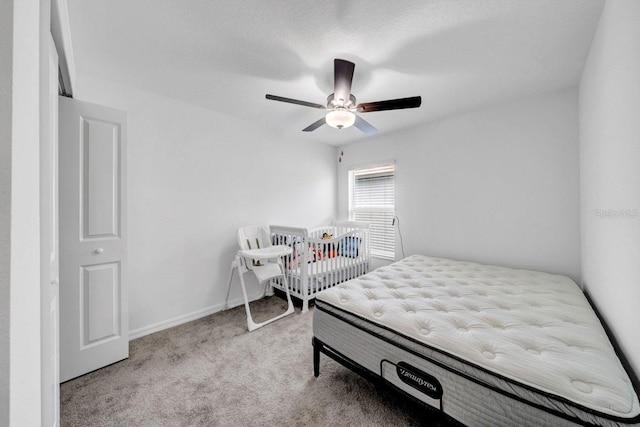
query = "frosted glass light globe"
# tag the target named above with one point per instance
(340, 118)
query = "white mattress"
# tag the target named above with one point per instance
(534, 328)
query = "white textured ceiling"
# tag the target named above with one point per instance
(226, 55)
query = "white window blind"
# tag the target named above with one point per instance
(372, 200)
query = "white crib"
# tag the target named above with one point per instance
(319, 263)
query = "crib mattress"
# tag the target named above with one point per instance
(518, 338)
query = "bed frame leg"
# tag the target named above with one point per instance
(316, 356)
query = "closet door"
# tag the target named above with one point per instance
(93, 237)
(49, 250)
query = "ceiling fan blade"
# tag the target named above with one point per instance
(342, 78)
(364, 126)
(295, 101)
(315, 125)
(392, 104)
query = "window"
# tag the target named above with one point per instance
(372, 200)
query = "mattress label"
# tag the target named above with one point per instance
(428, 384)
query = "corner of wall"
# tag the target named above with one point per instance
(609, 175)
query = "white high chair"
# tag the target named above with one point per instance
(257, 254)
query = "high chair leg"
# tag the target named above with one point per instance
(251, 325)
(235, 264)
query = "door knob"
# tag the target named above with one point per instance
(99, 250)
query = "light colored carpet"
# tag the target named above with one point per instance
(213, 372)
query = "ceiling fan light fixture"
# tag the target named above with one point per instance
(340, 118)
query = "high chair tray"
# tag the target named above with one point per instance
(267, 253)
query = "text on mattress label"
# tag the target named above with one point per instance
(419, 380)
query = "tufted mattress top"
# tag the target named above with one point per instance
(534, 328)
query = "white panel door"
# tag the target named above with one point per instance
(93, 236)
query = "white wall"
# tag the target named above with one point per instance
(195, 176)
(498, 185)
(610, 173)
(19, 214)
(6, 78)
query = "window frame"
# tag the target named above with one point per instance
(385, 210)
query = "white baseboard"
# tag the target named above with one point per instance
(179, 320)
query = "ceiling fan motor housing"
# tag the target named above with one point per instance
(333, 103)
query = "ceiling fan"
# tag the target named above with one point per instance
(341, 104)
